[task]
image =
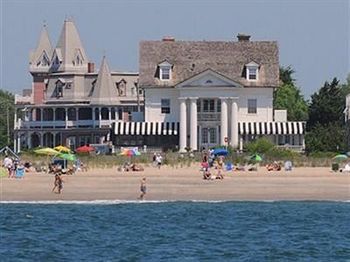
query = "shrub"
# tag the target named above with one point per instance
(260, 145)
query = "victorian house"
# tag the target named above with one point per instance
(69, 102)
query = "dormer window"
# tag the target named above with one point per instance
(252, 71)
(59, 89)
(165, 71)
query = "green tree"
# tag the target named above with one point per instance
(326, 128)
(288, 96)
(327, 105)
(6, 118)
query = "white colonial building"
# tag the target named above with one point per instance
(200, 94)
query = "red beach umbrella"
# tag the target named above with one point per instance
(85, 149)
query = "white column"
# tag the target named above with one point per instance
(234, 124)
(41, 139)
(224, 119)
(66, 117)
(76, 114)
(18, 142)
(29, 140)
(15, 143)
(15, 118)
(54, 138)
(183, 125)
(99, 117)
(54, 114)
(194, 124)
(241, 144)
(93, 117)
(109, 114)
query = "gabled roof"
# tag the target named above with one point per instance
(208, 78)
(105, 92)
(44, 47)
(228, 58)
(70, 45)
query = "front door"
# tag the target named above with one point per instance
(209, 136)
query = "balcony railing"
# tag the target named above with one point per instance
(208, 116)
(62, 124)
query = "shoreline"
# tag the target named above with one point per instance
(182, 184)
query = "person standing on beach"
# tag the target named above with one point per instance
(143, 188)
(58, 184)
(159, 160)
(8, 164)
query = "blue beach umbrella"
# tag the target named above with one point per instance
(220, 152)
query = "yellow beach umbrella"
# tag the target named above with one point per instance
(47, 151)
(61, 149)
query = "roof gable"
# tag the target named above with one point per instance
(104, 91)
(209, 79)
(71, 47)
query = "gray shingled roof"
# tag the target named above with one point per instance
(192, 57)
(44, 45)
(69, 44)
(104, 92)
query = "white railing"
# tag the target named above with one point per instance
(62, 124)
(208, 116)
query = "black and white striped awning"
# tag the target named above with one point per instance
(244, 128)
(271, 128)
(146, 128)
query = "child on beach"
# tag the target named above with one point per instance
(143, 188)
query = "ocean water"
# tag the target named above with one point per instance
(175, 231)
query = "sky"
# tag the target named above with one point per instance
(313, 35)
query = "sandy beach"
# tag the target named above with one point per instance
(185, 183)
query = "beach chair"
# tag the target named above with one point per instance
(229, 166)
(20, 172)
(288, 165)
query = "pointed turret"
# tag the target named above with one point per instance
(69, 54)
(40, 58)
(104, 92)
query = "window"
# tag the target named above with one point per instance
(218, 106)
(59, 89)
(165, 71)
(165, 106)
(252, 106)
(208, 105)
(121, 87)
(252, 71)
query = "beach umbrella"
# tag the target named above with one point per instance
(256, 158)
(340, 157)
(130, 152)
(220, 152)
(47, 151)
(85, 149)
(62, 149)
(67, 156)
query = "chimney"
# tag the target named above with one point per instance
(91, 67)
(243, 38)
(168, 39)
